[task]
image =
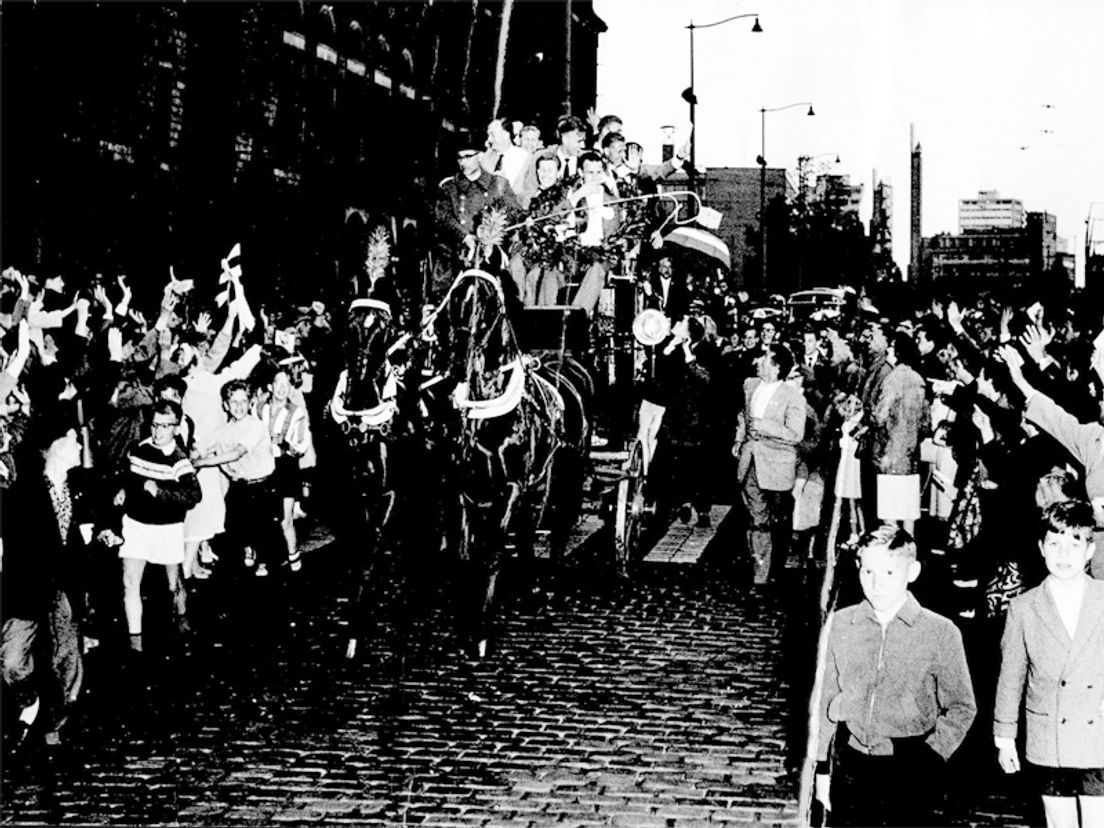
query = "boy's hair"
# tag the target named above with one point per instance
(606, 120)
(591, 156)
(1067, 515)
(168, 407)
(170, 382)
(782, 358)
(611, 138)
(236, 385)
(895, 539)
(1056, 486)
(541, 159)
(570, 123)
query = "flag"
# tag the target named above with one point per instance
(709, 218)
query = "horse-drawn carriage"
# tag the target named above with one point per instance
(507, 407)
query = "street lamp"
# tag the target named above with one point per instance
(688, 93)
(762, 161)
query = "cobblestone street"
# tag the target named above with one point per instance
(662, 702)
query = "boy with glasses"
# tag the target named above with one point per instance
(160, 486)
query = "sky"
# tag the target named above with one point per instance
(1005, 95)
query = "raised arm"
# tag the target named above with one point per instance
(221, 346)
(1082, 440)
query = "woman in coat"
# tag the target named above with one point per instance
(900, 422)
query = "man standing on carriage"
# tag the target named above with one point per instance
(462, 199)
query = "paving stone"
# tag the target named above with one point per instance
(639, 704)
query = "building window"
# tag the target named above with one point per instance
(295, 39)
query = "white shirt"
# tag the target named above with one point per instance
(761, 396)
(569, 164)
(1067, 597)
(596, 213)
(665, 287)
(512, 166)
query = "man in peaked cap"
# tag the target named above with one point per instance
(461, 199)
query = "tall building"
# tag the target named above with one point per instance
(915, 239)
(881, 216)
(989, 212)
(734, 192)
(838, 194)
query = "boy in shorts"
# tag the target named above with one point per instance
(1053, 648)
(897, 696)
(160, 486)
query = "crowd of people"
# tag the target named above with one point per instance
(967, 438)
(167, 443)
(574, 209)
(941, 432)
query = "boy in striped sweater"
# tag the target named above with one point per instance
(159, 488)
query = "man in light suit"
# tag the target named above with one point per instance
(767, 433)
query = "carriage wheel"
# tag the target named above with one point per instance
(629, 517)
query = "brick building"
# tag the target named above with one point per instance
(143, 135)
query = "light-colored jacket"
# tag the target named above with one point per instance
(1064, 679)
(901, 419)
(779, 430)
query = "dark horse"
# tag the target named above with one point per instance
(365, 406)
(516, 439)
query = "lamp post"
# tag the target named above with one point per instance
(688, 94)
(762, 159)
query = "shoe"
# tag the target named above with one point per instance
(598, 441)
(703, 520)
(262, 571)
(685, 513)
(295, 564)
(298, 513)
(207, 555)
(250, 557)
(201, 573)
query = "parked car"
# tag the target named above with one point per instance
(804, 303)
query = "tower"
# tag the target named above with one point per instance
(914, 207)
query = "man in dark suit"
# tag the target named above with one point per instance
(813, 357)
(767, 434)
(666, 292)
